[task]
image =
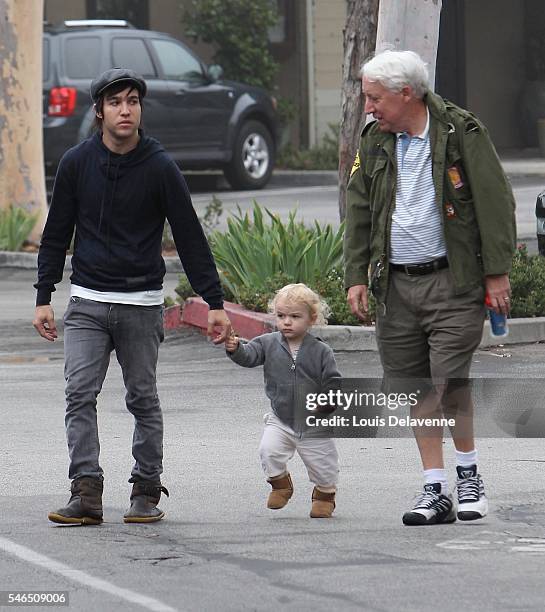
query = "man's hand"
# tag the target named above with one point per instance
(499, 292)
(218, 318)
(231, 343)
(44, 322)
(357, 300)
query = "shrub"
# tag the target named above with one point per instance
(185, 290)
(252, 251)
(258, 298)
(331, 288)
(527, 284)
(324, 156)
(239, 30)
(15, 227)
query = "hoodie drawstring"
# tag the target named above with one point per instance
(104, 194)
(111, 208)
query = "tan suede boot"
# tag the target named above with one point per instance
(282, 491)
(323, 504)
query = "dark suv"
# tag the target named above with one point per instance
(203, 121)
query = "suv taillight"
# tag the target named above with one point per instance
(62, 101)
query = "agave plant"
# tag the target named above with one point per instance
(252, 250)
(15, 227)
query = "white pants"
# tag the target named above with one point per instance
(279, 443)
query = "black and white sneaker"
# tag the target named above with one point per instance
(431, 507)
(472, 502)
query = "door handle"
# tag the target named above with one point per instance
(181, 92)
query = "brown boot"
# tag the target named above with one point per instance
(323, 504)
(144, 499)
(85, 505)
(282, 491)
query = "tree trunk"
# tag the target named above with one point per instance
(359, 43)
(410, 25)
(22, 182)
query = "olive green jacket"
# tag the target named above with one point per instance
(473, 193)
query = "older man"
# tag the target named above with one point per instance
(430, 228)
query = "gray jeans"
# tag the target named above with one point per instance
(91, 331)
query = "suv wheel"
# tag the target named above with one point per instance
(253, 157)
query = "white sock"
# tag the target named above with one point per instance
(466, 459)
(437, 475)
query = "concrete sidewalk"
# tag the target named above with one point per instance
(514, 163)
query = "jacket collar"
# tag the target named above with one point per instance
(436, 106)
(307, 338)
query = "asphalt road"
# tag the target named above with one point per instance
(219, 548)
(321, 202)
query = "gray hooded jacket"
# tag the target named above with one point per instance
(287, 381)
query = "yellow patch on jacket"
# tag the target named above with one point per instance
(356, 164)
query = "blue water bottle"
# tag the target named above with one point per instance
(498, 321)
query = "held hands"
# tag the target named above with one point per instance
(231, 344)
(44, 322)
(218, 318)
(357, 300)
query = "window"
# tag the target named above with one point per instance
(82, 57)
(132, 53)
(177, 63)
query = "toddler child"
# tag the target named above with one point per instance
(292, 358)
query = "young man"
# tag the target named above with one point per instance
(430, 227)
(116, 189)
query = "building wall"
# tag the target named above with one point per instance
(57, 11)
(495, 66)
(329, 18)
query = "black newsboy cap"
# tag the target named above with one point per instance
(117, 75)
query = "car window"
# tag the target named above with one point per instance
(82, 57)
(132, 53)
(176, 62)
(45, 60)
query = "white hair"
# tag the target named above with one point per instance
(395, 69)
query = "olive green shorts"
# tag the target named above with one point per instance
(427, 331)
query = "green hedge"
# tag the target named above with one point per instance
(527, 284)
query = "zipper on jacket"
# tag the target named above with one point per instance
(293, 368)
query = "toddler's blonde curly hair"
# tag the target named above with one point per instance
(299, 293)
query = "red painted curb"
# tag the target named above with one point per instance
(247, 324)
(172, 317)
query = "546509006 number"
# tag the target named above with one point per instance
(33, 598)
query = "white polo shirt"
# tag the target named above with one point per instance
(417, 227)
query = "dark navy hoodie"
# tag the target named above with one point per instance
(118, 205)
